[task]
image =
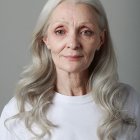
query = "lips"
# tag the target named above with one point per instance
(73, 57)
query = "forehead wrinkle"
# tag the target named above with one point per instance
(72, 12)
(57, 21)
(73, 18)
(62, 19)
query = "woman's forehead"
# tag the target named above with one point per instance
(70, 12)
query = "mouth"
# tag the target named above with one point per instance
(73, 57)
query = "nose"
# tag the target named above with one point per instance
(73, 41)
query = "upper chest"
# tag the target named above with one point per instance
(75, 121)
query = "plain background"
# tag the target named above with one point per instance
(18, 18)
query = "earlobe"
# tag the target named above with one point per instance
(102, 37)
(98, 49)
(45, 40)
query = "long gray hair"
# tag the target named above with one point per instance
(37, 85)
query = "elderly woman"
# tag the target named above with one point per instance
(71, 90)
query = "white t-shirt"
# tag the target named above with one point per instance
(77, 118)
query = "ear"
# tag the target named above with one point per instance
(102, 37)
(45, 40)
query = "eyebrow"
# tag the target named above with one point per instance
(58, 21)
(65, 22)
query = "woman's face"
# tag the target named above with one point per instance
(73, 36)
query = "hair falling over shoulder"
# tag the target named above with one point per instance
(37, 85)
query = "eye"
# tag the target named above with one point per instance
(87, 32)
(60, 32)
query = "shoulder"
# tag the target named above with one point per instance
(11, 108)
(12, 129)
(133, 95)
(131, 109)
(132, 103)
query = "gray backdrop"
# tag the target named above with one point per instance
(18, 18)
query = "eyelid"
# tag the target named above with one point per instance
(86, 29)
(81, 29)
(59, 27)
(87, 32)
(60, 31)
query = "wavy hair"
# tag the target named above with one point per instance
(37, 85)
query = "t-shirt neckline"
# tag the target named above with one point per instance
(81, 99)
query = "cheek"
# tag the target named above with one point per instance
(90, 56)
(90, 49)
(91, 42)
(90, 46)
(55, 45)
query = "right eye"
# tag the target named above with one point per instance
(60, 32)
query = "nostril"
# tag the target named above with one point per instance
(74, 46)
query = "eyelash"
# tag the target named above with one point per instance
(60, 32)
(85, 32)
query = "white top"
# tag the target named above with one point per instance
(77, 118)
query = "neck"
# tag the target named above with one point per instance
(71, 84)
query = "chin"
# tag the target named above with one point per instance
(73, 69)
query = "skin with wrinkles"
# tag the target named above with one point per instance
(73, 36)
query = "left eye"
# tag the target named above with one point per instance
(87, 32)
